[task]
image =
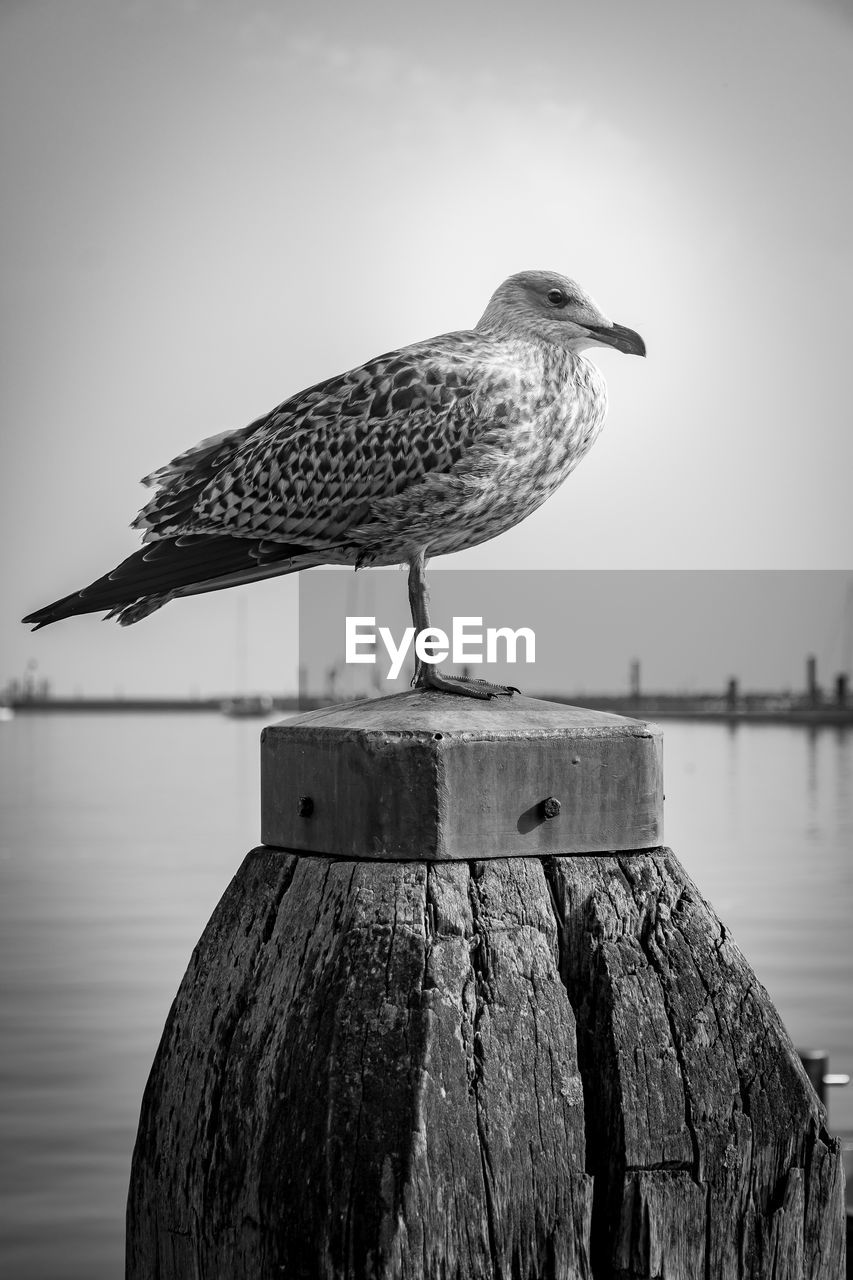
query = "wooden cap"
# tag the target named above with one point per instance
(427, 776)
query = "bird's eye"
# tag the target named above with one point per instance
(557, 298)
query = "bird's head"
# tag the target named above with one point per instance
(550, 308)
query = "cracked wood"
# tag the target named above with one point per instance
(513, 1068)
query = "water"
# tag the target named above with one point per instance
(120, 832)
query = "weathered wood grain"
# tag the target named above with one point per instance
(706, 1141)
(369, 1070)
(511, 1068)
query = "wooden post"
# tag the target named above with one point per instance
(462, 1016)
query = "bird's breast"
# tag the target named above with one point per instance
(539, 437)
(531, 439)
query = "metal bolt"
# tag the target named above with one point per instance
(551, 807)
(305, 806)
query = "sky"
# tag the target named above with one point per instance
(207, 206)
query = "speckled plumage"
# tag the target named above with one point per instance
(426, 450)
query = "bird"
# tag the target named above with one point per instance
(426, 450)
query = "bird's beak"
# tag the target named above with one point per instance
(616, 335)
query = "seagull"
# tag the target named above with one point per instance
(427, 450)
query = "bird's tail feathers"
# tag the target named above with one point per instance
(125, 614)
(171, 567)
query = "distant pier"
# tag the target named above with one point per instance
(811, 706)
(755, 708)
(231, 704)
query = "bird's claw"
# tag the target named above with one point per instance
(462, 686)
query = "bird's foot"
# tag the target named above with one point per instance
(429, 677)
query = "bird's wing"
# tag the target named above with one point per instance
(180, 481)
(312, 468)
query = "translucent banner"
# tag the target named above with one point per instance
(586, 635)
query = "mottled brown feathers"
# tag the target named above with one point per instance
(310, 466)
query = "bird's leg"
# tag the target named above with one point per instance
(418, 605)
(427, 674)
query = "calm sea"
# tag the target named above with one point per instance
(120, 832)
